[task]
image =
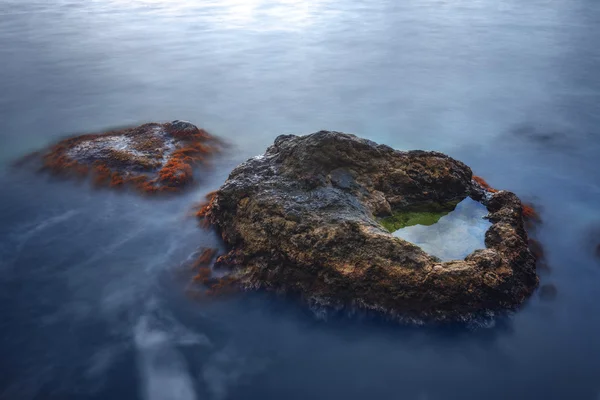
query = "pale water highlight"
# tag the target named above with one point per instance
(455, 235)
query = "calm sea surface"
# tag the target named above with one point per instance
(92, 288)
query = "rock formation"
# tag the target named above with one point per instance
(151, 158)
(306, 218)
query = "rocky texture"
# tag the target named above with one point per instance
(151, 158)
(303, 219)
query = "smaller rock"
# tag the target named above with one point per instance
(152, 158)
(183, 126)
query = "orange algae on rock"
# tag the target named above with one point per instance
(203, 208)
(151, 158)
(202, 266)
(116, 180)
(102, 175)
(175, 173)
(224, 286)
(205, 258)
(203, 275)
(484, 184)
(530, 213)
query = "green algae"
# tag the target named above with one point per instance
(425, 214)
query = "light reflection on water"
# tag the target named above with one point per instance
(455, 235)
(257, 15)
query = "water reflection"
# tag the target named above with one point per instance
(455, 235)
(257, 15)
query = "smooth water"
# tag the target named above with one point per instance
(93, 283)
(455, 235)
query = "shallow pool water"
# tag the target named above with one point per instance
(455, 235)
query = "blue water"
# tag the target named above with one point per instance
(455, 235)
(93, 284)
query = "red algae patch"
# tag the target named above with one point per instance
(202, 266)
(484, 184)
(531, 219)
(203, 275)
(215, 286)
(529, 213)
(151, 158)
(202, 209)
(204, 259)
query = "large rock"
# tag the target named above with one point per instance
(304, 218)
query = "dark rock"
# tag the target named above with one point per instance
(302, 219)
(183, 126)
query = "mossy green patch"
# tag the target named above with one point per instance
(426, 214)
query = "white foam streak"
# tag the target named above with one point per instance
(163, 371)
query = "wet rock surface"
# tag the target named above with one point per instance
(151, 158)
(303, 219)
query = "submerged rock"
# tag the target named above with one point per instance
(304, 218)
(151, 158)
(548, 292)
